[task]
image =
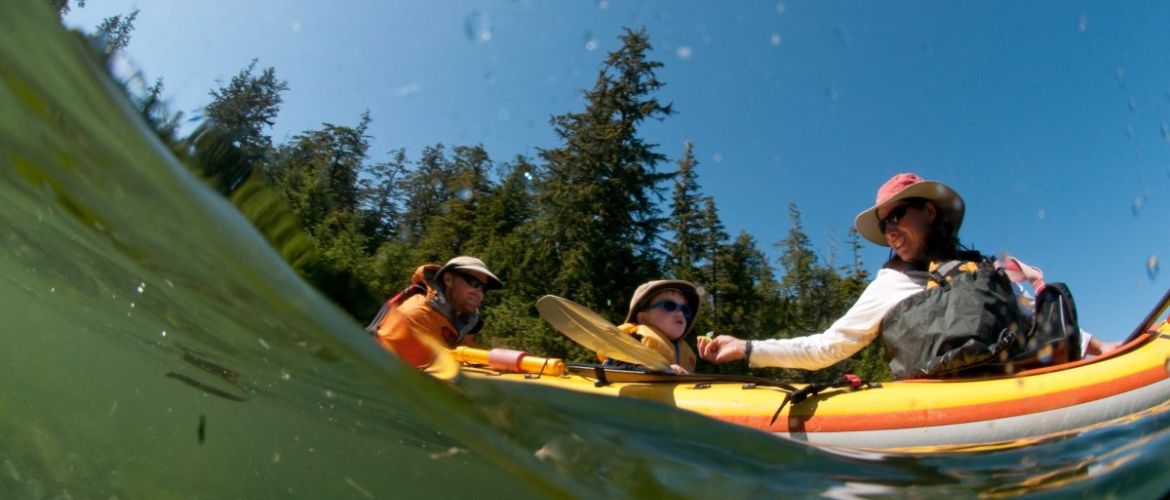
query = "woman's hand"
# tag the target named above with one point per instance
(722, 349)
(1096, 347)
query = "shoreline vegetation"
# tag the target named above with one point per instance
(589, 219)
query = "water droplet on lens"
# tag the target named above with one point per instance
(464, 193)
(776, 157)
(1045, 354)
(1041, 214)
(603, 4)
(1138, 203)
(842, 34)
(775, 39)
(830, 93)
(685, 52)
(1152, 266)
(1166, 131)
(478, 27)
(717, 157)
(406, 90)
(781, 8)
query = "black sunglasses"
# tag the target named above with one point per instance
(672, 306)
(897, 213)
(472, 281)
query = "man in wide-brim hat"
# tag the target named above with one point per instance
(441, 305)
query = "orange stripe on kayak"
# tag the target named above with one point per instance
(952, 415)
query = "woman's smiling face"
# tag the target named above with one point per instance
(906, 226)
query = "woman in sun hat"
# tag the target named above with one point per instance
(919, 220)
(661, 314)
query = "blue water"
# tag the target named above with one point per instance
(154, 346)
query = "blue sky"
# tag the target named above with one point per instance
(1050, 118)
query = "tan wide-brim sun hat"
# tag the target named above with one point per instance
(472, 264)
(903, 186)
(648, 290)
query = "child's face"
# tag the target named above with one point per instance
(672, 324)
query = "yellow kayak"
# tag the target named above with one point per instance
(911, 415)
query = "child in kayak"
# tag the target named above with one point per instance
(661, 314)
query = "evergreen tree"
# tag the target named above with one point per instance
(164, 123)
(599, 193)
(318, 173)
(814, 295)
(243, 109)
(688, 250)
(61, 7)
(503, 226)
(113, 33)
(449, 232)
(744, 284)
(425, 191)
(379, 194)
(317, 176)
(807, 285)
(743, 294)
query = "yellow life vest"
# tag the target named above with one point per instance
(675, 353)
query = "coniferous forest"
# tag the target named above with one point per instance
(589, 219)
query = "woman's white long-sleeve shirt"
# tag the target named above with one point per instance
(849, 334)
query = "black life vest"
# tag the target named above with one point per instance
(968, 322)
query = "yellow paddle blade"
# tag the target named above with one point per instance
(595, 333)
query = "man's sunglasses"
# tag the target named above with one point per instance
(672, 306)
(895, 215)
(472, 281)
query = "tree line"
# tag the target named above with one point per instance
(588, 219)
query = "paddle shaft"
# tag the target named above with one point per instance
(1148, 323)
